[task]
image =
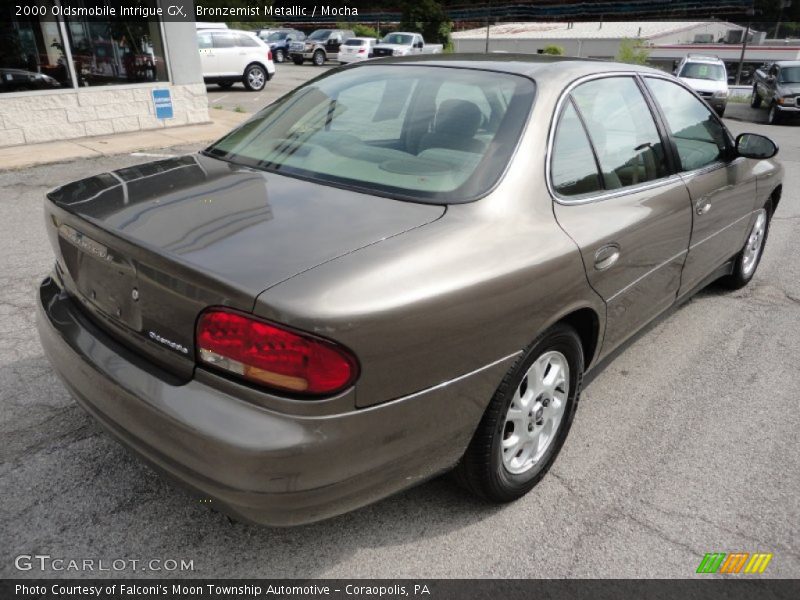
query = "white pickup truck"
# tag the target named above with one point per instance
(403, 43)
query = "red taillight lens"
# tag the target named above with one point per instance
(269, 54)
(273, 356)
(362, 51)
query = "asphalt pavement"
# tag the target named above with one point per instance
(686, 443)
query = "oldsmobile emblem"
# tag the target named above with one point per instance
(169, 343)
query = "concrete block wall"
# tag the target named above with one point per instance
(36, 117)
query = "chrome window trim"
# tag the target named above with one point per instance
(604, 194)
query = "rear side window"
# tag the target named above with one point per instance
(245, 41)
(573, 169)
(622, 130)
(698, 134)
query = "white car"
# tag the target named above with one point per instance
(229, 56)
(356, 49)
(707, 76)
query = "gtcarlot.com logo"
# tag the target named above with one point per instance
(735, 562)
(45, 562)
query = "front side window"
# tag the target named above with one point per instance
(622, 130)
(392, 130)
(699, 136)
(320, 35)
(204, 41)
(223, 40)
(31, 49)
(116, 50)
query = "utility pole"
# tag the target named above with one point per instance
(741, 58)
(488, 21)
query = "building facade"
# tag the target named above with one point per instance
(70, 77)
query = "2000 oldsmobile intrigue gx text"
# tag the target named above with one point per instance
(402, 267)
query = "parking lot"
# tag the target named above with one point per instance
(686, 443)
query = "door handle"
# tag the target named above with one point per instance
(703, 206)
(606, 256)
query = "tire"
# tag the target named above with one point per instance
(225, 85)
(319, 58)
(749, 257)
(755, 100)
(297, 60)
(255, 78)
(774, 115)
(497, 468)
(280, 56)
(721, 112)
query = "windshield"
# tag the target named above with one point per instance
(423, 133)
(398, 38)
(790, 75)
(277, 36)
(320, 34)
(712, 72)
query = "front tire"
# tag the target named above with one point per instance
(527, 421)
(755, 101)
(255, 78)
(774, 116)
(225, 85)
(298, 60)
(279, 56)
(319, 58)
(749, 257)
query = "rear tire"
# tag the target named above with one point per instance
(527, 420)
(255, 78)
(319, 58)
(279, 56)
(297, 60)
(755, 101)
(749, 257)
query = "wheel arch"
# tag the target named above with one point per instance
(775, 197)
(586, 322)
(259, 64)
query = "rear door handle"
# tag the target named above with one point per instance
(606, 256)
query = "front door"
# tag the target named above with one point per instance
(208, 60)
(619, 200)
(723, 189)
(228, 56)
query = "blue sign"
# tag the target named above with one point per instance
(162, 101)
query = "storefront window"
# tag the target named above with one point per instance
(116, 51)
(31, 49)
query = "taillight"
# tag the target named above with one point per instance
(269, 54)
(362, 51)
(273, 356)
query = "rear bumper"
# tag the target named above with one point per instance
(256, 464)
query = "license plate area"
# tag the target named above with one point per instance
(103, 280)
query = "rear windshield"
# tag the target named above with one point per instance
(423, 133)
(712, 72)
(355, 42)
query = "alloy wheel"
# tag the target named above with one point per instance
(535, 413)
(755, 242)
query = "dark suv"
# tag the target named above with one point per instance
(320, 46)
(279, 40)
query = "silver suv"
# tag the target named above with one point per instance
(707, 76)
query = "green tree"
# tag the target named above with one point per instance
(360, 29)
(553, 50)
(427, 17)
(632, 52)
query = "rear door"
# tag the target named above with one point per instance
(722, 187)
(618, 198)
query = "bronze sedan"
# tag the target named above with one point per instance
(402, 267)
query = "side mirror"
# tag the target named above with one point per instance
(753, 145)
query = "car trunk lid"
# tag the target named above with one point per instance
(145, 249)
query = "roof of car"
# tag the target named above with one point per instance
(531, 65)
(787, 63)
(705, 59)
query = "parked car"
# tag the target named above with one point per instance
(18, 80)
(356, 49)
(777, 85)
(395, 270)
(403, 43)
(229, 56)
(321, 45)
(278, 41)
(707, 76)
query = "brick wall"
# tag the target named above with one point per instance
(34, 117)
